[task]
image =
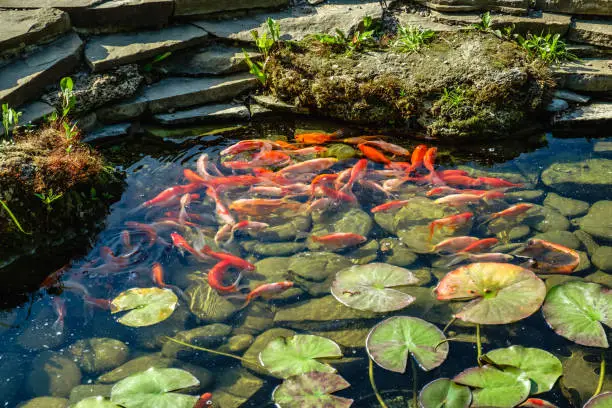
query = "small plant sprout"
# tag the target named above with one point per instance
(67, 95)
(549, 48)
(159, 58)
(452, 100)
(362, 38)
(485, 23)
(265, 43)
(411, 38)
(10, 119)
(48, 198)
(70, 131)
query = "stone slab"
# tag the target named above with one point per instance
(35, 112)
(59, 4)
(275, 104)
(108, 51)
(177, 93)
(507, 6)
(546, 22)
(214, 60)
(413, 19)
(588, 51)
(595, 114)
(205, 114)
(107, 133)
(296, 25)
(571, 96)
(199, 8)
(593, 32)
(118, 15)
(587, 75)
(25, 79)
(596, 7)
(21, 28)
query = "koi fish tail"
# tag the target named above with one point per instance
(58, 325)
(432, 228)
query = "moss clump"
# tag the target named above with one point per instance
(464, 84)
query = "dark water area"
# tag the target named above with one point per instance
(153, 163)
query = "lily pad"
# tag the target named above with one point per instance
(153, 388)
(289, 356)
(311, 390)
(393, 340)
(443, 393)
(576, 311)
(493, 387)
(370, 287)
(603, 400)
(539, 365)
(503, 293)
(148, 306)
(95, 402)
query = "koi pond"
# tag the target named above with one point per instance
(292, 266)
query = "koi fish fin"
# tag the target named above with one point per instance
(58, 326)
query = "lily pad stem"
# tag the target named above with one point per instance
(373, 384)
(415, 383)
(478, 346)
(602, 375)
(15, 220)
(212, 351)
(449, 324)
(447, 340)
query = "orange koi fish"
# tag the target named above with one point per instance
(216, 275)
(149, 230)
(263, 206)
(454, 244)
(358, 172)
(339, 240)
(321, 179)
(233, 260)
(309, 166)
(246, 145)
(453, 222)
(168, 195)
(181, 243)
(513, 211)
(389, 206)
(157, 274)
(268, 158)
(481, 245)
(358, 140)
(418, 155)
(337, 195)
(317, 138)
(204, 401)
(497, 182)
(458, 200)
(389, 147)
(267, 291)
(308, 150)
(373, 154)
(461, 181)
(537, 403)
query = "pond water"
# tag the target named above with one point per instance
(74, 304)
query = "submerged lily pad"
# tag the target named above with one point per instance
(539, 365)
(493, 387)
(95, 402)
(148, 306)
(603, 400)
(576, 311)
(153, 388)
(443, 393)
(311, 390)
(285, 357)
(392, 341)
(503, 293)
(370, 287)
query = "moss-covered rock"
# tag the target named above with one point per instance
(98, 354)
(464, 84)
(206, 304)
(53, 374)
(566, 206)
(80, 392)
(45, 402)
(590, 180)
(598, 221)
(209, 336)
(602, 258)
(235, 386)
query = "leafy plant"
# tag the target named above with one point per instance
(70, 131)
(159, 58)
(265, 43)
(362, 37)
(10, 119)
(67, 95)
(549, 48)
(452, 101)
(339, 39)
(13, 218)
(411, 38)
(485, 23)
(48, 198)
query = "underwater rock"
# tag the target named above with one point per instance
(566, 206)
(395, 252)
(12, 373)
(210, 336)
(251, 356)
(273, 248)
(600, 277)
(584, 264)
(590, 179)
(289, 230)
(602, 258)
(38, 335)
(531, 196)
(238, 344)
(152, 337)
(587, 240)
(53, 374)
(45, 402)
(557, 105)
(349, 338)
(206, 304)
(564, 238)
(317, 266)
(98, 354)
(353, 220)
(257, 318)
(364, 254)
(273, 269)
(235, 386)
(598, 221)
(80, 392)
(544, 219)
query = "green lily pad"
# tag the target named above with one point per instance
(603, 400)
(390, 342)
(311, 390)
(539, 365)
(95, 402)
(153, 388)
(289, 356)
(493, 387)
(576, 311)
(148, 306)
(370, 287)
(443, 393)
(503, 293)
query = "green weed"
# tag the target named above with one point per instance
(485, 23)
(265, 43)
(67, 95)
(549, 48)
(452, 101)
(411, 38)
(361, 39)
(149, 66)
(13, 218)
(49, 198)
(70, 131)
(10, 119)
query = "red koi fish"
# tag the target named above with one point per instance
(454, 244)
(536, 403)
(205, 401)
(271, 158)
(389, 147)
(220, 208)
(497, 182)
(233, 260)
(453, 222)
(513, 211)
(317, 137)
(373, 154)
(418, 155)
(337, 195)
(267, 291)
(216, 274)
(339, 240)
(461, 181)
(481, 245)
(104, 304)
(168, 195)
(389, 206)
(321, 179)
(246, 145)
(181, 243)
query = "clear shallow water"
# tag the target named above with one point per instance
(152, 166)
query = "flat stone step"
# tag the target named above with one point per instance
(593, 32)
(215, 60)
(413, 19)
(205, 114)
(546, 22)
(107, 133)
(200, 8)
(108, 51)
(594, 7)
(587, 75)
(589, 51)
(506, 6)
(119, 15)
(176, 93)
(295, 26)
(22, 28)
(595, 114)
(35, 112)
(275, 104)
(26, 78)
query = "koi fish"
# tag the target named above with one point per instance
(157, 274)
(357, 140)
(266, 291)
(513, 211)
(59, 306)
(481, 245)
(418, 155)
(104, 304)
(308, 150)
(263, 206)
(250, 225)
(321, 179)
(181, 243)
(204, 401)
(338, 195)
(185, 201)
(224, 233)
(373, 154)
(389, 206)
(497, 182)
(461, 181)
(320, 204)
(453, 222)
(317, 138)
(246, 145)
(203, 166)
(488, 257)
(233, 260)
(389, 147)
(458, 200)
(168, 195)
(216, 274)
(271, 158)
(454, 244)
(537, 403)
(309, 166)
(358, 172)
(220, 208)
(369, 184)
(339, 240)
